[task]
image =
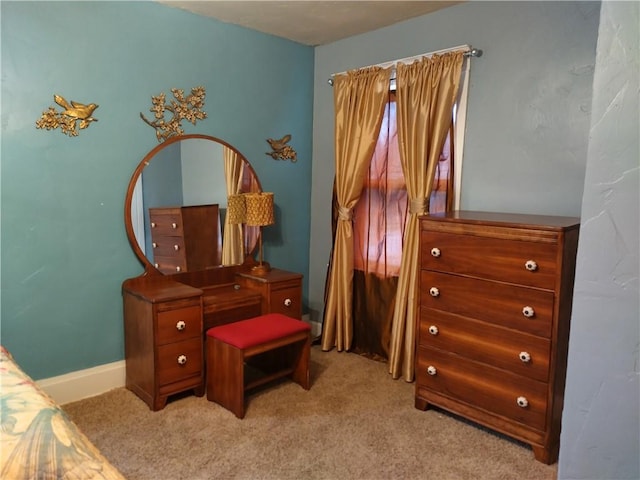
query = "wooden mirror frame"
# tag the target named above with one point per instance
(128, 221)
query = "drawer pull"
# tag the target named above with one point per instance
(178, 269)
(174, 225)
(176, 247)
(156, 265)
(181, 325)
(182, 359)
(525, 357)
(531, 265)
(528, 311)
(431, 370)
(435, 252)
(434, 292)
(287, 302)
(522, 402)
(155, 245)
(433, 330)
(153, 224)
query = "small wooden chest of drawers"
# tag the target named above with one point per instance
(495, 307)
(281, 291)
(185, 238)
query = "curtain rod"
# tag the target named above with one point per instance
(468, 52)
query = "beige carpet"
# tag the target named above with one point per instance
(356, 422)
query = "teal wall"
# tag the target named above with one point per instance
(64, 248)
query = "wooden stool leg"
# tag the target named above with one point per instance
(300, 373)
(225, 376)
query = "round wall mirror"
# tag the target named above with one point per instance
(176, 206)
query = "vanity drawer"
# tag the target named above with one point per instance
(491, 258)
(287, 301)
(179, 324)
(515, 351)
(180, 360)
(481, 386)
(169, 265)
(493, 302)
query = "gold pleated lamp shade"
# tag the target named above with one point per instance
(259, 209)
(236, 209)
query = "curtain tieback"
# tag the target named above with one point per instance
(344, 214)
(417, 206)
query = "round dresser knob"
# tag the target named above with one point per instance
(153, 224)
(531, 265)
(431, 370)
(287, 302)
(434, 292)
(155, 245)
(525, 357)
(156, 265)
(433, 330)
(182, 359)
(522, 402)
(176, 247)
(435, 252)
(181, 325)
(174, 225)
(528, 311)
(178, 269)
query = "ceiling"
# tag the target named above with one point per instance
(311, 22)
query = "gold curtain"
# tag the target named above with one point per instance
(426, 93)
(359, 100)
(232, 244)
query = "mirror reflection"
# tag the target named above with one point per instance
(179, 204)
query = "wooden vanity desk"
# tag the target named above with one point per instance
(185, 290)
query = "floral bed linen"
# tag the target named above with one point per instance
(37, 439)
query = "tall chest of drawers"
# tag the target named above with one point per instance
(186, 238)
(492, 334)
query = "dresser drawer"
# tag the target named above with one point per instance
(169, 265)
(287, 301)
(179, 324)
(493, 302)
(180, 360)
(517, 352)
(166, 223)
(491, 258)
(478, 385)
(165, 246)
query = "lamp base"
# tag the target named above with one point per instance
(261, 269)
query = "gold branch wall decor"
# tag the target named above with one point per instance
(67, 120)
(182, 108)
(280, 149)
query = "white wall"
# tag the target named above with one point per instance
(600, 424)
(528, 116)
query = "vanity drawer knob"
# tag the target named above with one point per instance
(176, 247)
(522, 402)
(157, 265)
(531, 265)
(433, 330)
(431, 370)
(528, 311)
(525, 357)
(174, 225)
(434, 292)
(153, 224)
(155, 245)
(178, 269)
(181, 325)
(182, 359)
(287, 302)
(435, 252)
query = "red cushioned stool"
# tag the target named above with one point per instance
(249, 353)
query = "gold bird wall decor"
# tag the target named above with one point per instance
(74, 116)
(282, 151)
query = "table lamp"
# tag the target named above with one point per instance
(259, 213)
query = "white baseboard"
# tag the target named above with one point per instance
(82, 384)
